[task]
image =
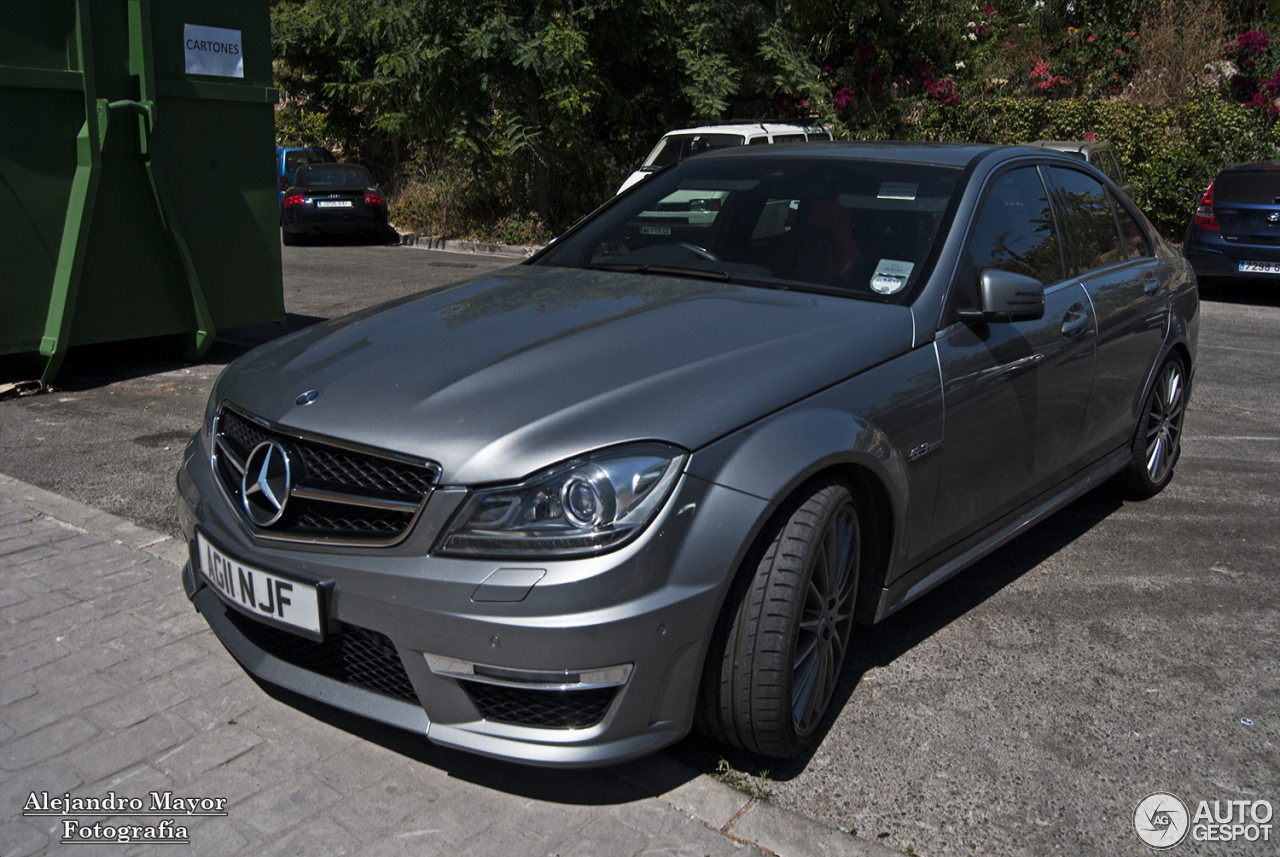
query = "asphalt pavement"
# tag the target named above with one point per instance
(1024, 708)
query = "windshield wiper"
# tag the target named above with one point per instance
(668, 270)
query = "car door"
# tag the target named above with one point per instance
(1119, 273)
(1014, 392)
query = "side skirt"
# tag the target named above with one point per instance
(902, 593)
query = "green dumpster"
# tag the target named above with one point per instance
(137, 189)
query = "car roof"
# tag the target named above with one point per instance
(747, 127)
(1255, 166)
(1081, 146)
(910, 152)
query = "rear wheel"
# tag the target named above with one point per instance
(776, 660)
(1157, 441)
(290, 239)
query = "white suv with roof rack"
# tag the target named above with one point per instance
(680, 144)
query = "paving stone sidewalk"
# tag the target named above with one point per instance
(111, 684)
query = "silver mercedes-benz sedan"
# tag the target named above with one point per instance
(653, 477)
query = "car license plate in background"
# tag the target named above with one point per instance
(259, 593)
(339, 203)
(1260, 267)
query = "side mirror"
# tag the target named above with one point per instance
(1006, 296)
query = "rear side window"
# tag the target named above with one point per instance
(1135, 243)
(1106, 161)
(1087, 219)
(1015, 231)
(788, 138)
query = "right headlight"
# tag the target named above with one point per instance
(584, 506)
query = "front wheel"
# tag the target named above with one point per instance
(1157, 441)
(774, 666)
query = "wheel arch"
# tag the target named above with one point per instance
(782, 461)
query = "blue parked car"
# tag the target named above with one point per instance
(1235, 231)
(289, 159)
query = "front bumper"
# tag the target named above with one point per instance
(620, 636)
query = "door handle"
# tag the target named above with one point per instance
(1150, 283)
(1074, 321)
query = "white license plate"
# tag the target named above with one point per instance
(339, 203)
(260, 594)
(1260, 267)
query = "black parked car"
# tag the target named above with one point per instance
(1235, 231)
(330, 199)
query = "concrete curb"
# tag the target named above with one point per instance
(426, 242)
(741, 818)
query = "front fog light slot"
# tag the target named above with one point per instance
(566, 679)
(544, 699)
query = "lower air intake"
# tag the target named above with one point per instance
(356, 656)
(549, 709)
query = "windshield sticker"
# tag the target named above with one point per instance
(898, 190)
(891, 276)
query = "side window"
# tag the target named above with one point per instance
(788, 138)
(758, 141)
(1087, 220)
(1111, 166)
(1134, 241)
(1014, 231)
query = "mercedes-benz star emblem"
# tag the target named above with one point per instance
(267, 481)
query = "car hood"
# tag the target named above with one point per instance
(500, 377)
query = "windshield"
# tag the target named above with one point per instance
(333, 175)
(857, 227)
(677, 147)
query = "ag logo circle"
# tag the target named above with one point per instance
(1161, 820)
(267, 481)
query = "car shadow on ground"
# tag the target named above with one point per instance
(1251, 292)
(586, 787)
(874, 646)
(385, 235)
(881, 644)
(88, 367)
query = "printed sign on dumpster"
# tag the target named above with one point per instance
(213, 50)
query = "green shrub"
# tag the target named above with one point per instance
(1170, 153)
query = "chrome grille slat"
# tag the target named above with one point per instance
(352, 499)
(344, 494)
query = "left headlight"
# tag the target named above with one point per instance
(584, 506)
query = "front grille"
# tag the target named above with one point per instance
(356, 656)
(338, 493)
(549, 709)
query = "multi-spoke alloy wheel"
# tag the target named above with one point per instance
(776, 660)
(825, 622)
(1157, 441)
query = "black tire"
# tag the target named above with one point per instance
(290, 239)
(777, 655)
(1157, 439)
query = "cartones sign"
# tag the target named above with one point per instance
(212, 50)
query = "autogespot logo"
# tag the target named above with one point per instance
(1161, 820)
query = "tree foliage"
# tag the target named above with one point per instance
(532, 111)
